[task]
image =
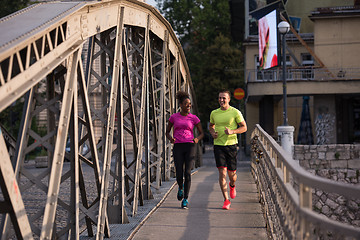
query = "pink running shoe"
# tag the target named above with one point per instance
(232, 192)
(227, 204)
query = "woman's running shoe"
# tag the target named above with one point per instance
(184, 203)
(180, 194)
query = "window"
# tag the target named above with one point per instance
(308, 61)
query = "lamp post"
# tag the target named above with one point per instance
(284, 28)
(285, 132)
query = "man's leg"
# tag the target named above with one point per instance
(222, 182)
(232, 164)
(221, 165)
(232, 177)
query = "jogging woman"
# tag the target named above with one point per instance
(184, 144)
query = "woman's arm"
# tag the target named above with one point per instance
(168, 129)
(201, 133)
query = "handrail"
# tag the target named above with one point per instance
(303, 74)
(267, 152)
(306, 177)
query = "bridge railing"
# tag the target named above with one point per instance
(285, 190)
(303, 74)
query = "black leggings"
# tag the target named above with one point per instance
(184, 153)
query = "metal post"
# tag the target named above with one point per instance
(286, 132)
(284, 79)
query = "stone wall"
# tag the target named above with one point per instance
(336, 156)
(339, 162)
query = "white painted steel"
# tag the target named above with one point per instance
(13, 203)
(135, 49)
(81, 21)
(287, 209)
(28, 24)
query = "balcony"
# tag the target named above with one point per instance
(304, 81)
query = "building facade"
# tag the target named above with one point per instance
(323, 74)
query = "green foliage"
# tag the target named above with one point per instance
(198, 22)
(210, 19)
(178, 13)
(10, 118)
(220, 70)
(215, 62)
(10, 6)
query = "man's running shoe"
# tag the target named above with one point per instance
(232, 191)
(227, 204)
(180, 194)
(184, 203)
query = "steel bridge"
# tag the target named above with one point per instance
(99, 80)
(99, 75)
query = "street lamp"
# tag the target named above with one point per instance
(284, 28)
(286, 132)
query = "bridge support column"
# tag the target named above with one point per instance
(286, 138)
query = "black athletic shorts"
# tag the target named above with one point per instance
(225, 156)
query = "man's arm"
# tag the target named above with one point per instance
(241, 129)
(212, 131)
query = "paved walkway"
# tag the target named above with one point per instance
(205, 219)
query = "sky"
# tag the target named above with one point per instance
(151, 2)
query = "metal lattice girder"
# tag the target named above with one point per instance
(13, 203)
(110, 127)
(115, 102)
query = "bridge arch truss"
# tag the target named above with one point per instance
(101, 78)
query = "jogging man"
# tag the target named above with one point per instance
(225, 123)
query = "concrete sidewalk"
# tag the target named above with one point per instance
(205, 219)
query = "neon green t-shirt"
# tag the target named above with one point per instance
(229, 118)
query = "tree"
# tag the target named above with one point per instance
(10, 6)
(222, 69)
(197, 22)
(179, 15)
(215, 62)
(11, 116)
